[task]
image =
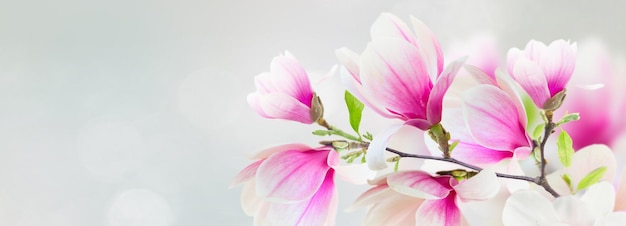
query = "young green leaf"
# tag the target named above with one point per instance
(568, 181)
(368, 136)
(355, 108)
(591, 178)
(568, 118)
(322, 132)
(565, 149)
(453, 145)
(539, 131)
(396, 166)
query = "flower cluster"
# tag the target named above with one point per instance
(487, 161)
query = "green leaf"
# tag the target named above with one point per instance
(355, 108)
(395, 167)
(568, 181)
(453, 145)
(566, 151)
(591, 178)
(537, 155)
(569, 118)
(368, 136)
(322, 132)
(539, 131)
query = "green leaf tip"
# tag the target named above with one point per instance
(592, 178)
(355, 108)
(565, 148)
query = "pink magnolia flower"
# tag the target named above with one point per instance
(496, 123)
(601, 108)
(285, 92)
(417, 198)
(291, 184)
(542, 71)
(394, 76)
(593, 208)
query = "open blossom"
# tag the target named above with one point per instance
(394, 75)
(417, 198)
(601, 108)
(285, 92)
(291, 184)
(399, 75)
(542, 71)
(593, 208)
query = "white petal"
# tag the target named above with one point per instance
(483, 186)
(600, 199)
(528, 207)
(376, 150)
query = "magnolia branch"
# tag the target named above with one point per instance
(455, 161)
(548, 130)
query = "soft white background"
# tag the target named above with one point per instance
(133, 112)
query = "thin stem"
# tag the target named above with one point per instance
(538, 181)
(547, 132)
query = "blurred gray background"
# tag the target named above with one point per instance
(133, 112)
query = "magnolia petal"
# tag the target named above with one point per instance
(612, 219)
(375, 155)
(482, 186)
(281, 106)
(249, 202)
(283, 147)
(440, 212)
(532, 79)
(557, 183)
(419, 184)
(480, 75)
(429, 45)
(557, 62)
(350, 60)
(511, 57)
(395, 73)
(599, 199)
(264, 84)
(290, 77)
(246, 174)
(435, 99)
(356, 89)
(534, 49)
(260, 218)
(314, 211)
(590, 158)
(510, 87)
(528, 207)
(513, 168)
(372, 196)
(292, 175)
(390, 26)
(572, 211)
(492, 119)
(467, 149)
(395, 209)
(355, 173)
(477, 154)
(254, 101)
(620, 193)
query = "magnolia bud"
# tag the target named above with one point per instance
(554, 102)
(317, 109)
